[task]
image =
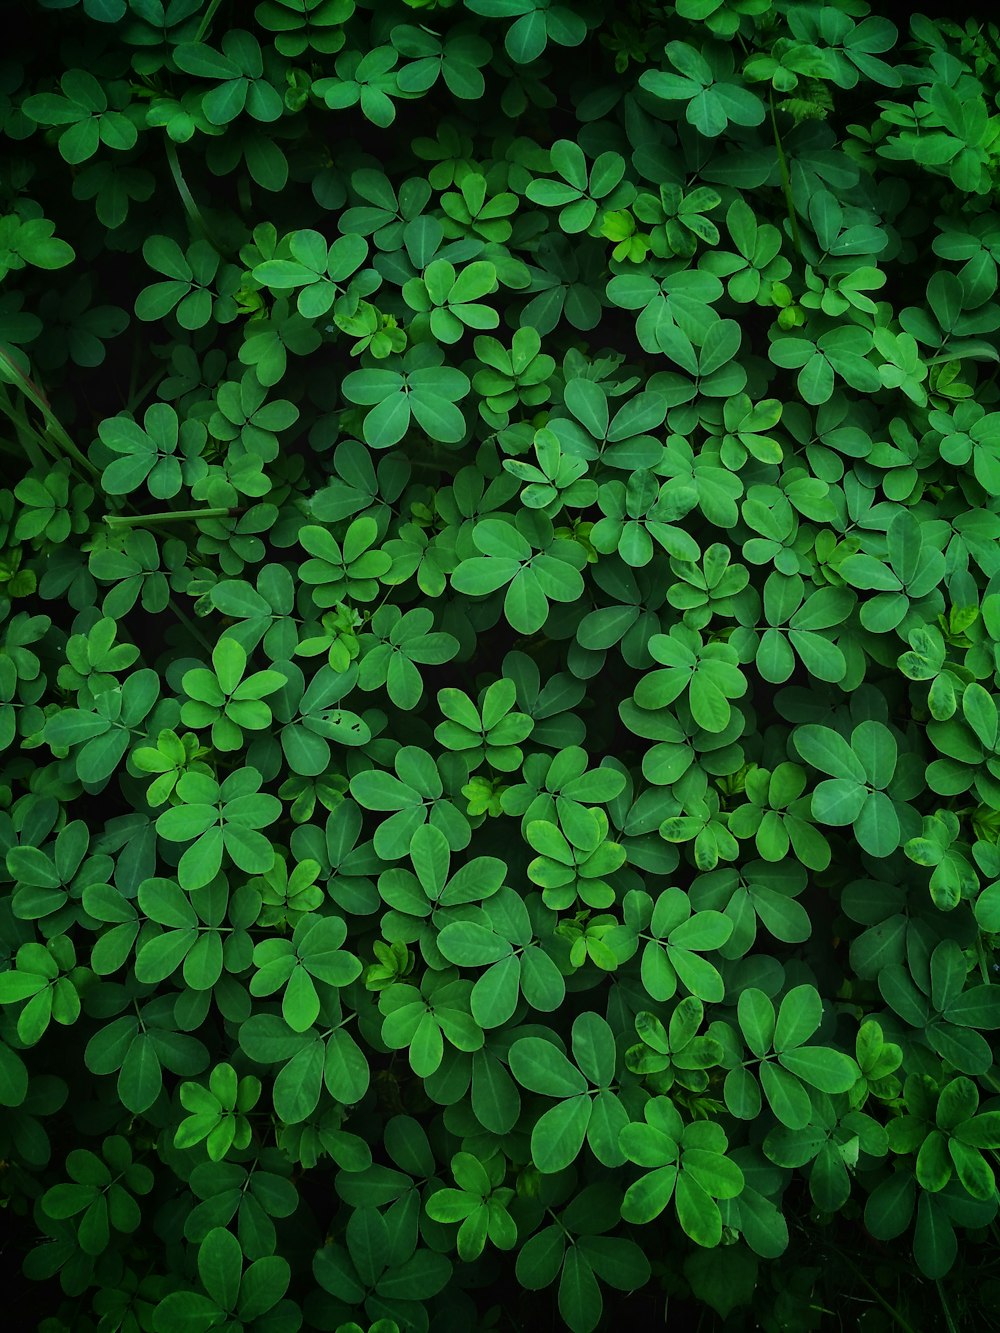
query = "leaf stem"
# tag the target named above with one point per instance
(433, 465)
(189, 625)
(981, 956)
(207, 18)
(187, 198)
(28, 439)
(171, 516)
(12, 374)
(944, 1306)
(136, 396)
(889, 1309)
(786, 181)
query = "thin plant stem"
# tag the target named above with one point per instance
(134, 370)
(136, 396)
(433, 465)
(981, 956)
(13, 450)
(127, 521)
(904, 1324)
(173, 516)
(187, 198)
(60, 440)
(786, 181)
(890, 1309)
(189, 625)
(28, 439)
(207, 18)
(11, 373)
(952, 1327)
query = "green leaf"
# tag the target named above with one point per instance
(697, 1212)
(828, 751)
(646, 1198)
(786, 1096)
(757, 1020)
(559, 1132)
(594, 1049)
(220, 1266)
(799, 1016)
(541, 1067)
(471, 945)
(877, 826)
(819, 1066)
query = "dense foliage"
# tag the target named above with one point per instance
(499, 665)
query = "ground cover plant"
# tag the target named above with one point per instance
(499, 666)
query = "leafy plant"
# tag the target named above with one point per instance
(499, 666)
